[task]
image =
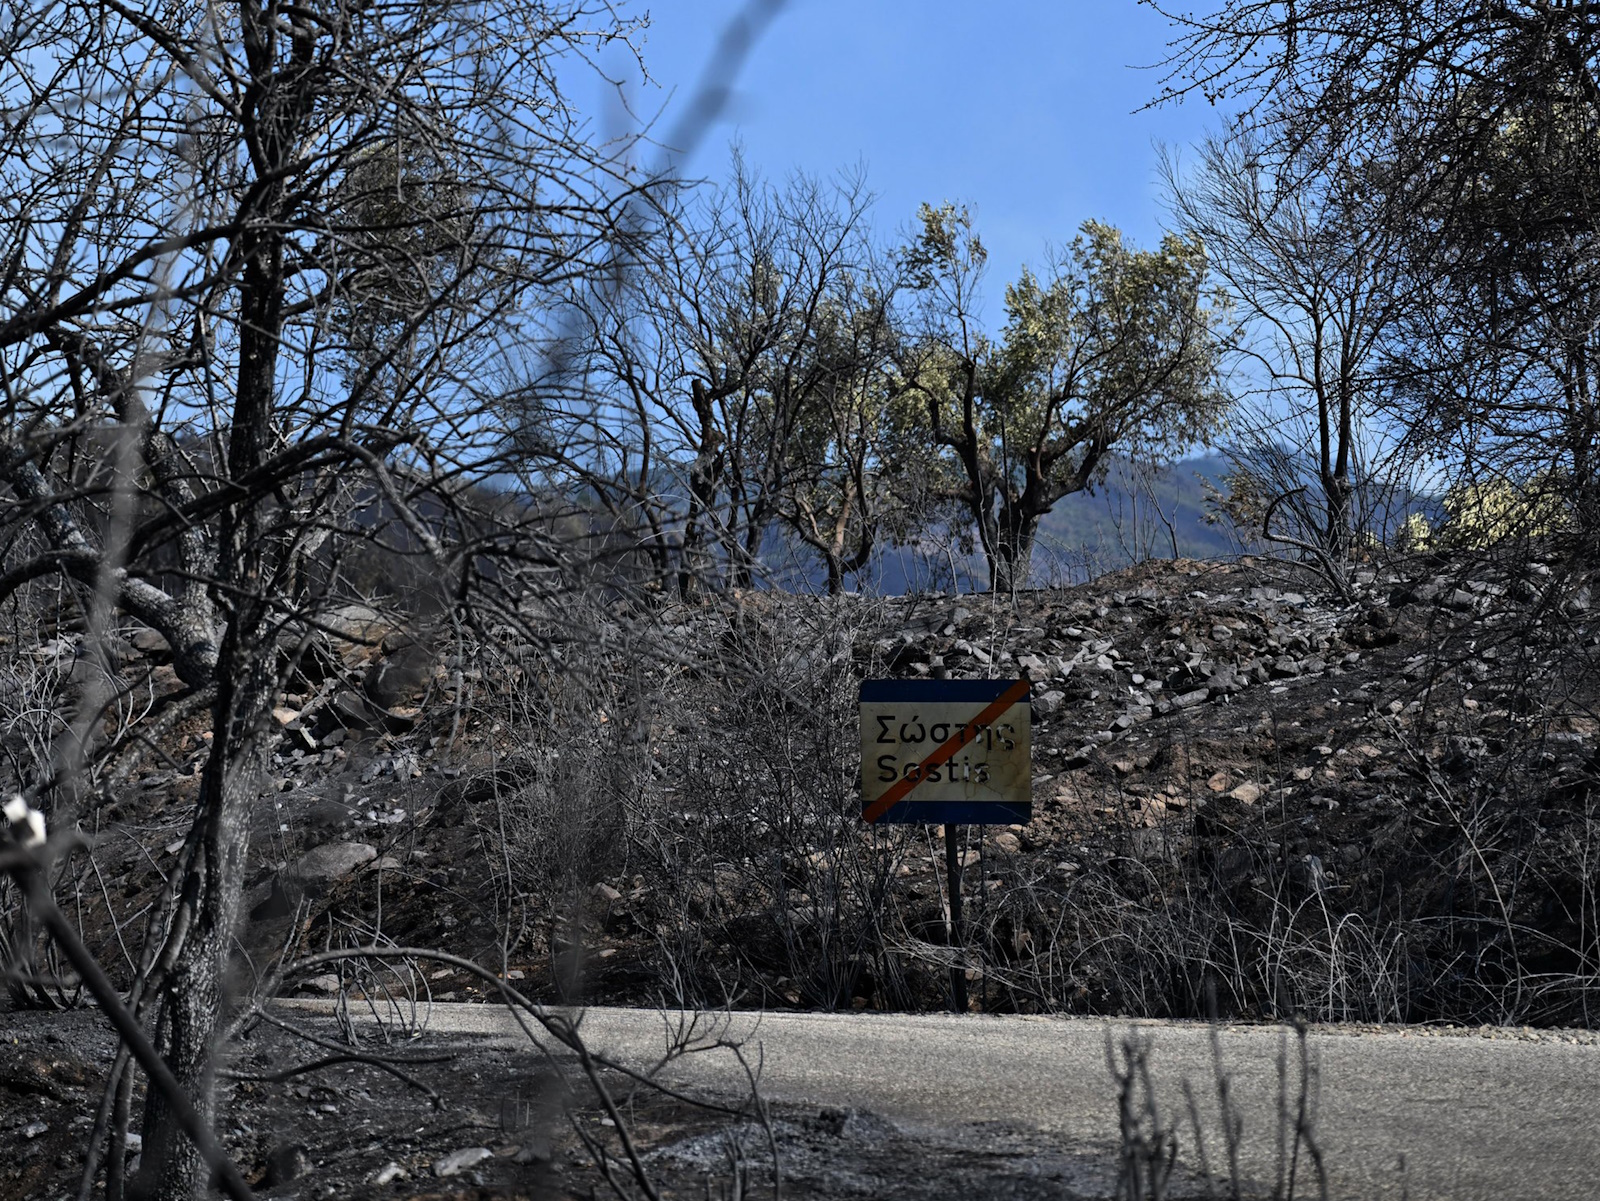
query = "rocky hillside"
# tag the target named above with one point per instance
(1253, 796)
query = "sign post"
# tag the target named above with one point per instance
(952, 875)
(948, 752)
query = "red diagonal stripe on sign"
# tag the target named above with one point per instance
(898, 791)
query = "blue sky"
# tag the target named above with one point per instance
(1023, 109)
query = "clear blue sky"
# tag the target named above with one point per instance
(1023, 109)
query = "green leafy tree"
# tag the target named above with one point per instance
(1488, 509)
(1111, 347)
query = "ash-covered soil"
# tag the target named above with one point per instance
(503, 1127)
(1254, 796)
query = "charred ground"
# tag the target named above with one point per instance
(1254, 798)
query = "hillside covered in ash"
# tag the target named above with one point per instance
(1252, 797)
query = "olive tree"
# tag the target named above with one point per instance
(1110, 347)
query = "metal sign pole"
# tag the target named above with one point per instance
(958, 971)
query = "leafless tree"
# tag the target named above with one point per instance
(739, 376)
(1312, 268)
(1478, 124)
(835, 499)
(266, 263)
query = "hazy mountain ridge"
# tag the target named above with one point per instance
(1133, 515)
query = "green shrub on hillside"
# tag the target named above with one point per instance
(1481, 513)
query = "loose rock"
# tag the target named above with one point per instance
(459, 1161)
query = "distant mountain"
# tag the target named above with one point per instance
(1134, 515)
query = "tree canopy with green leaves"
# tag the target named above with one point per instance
(1110, 347)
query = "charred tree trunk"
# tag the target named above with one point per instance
(704, 477)
(199, 937)
(1337, 490)
(1011, 561)
(193, 992)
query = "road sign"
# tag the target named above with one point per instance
(946, 751)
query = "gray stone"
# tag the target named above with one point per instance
(150, 642)
(286, 1162)
(330, 815)
(328, 864)
(390, 1171)
(1154, 844)
(400, 677)
(1225, 678)
(1188, 700)
(459, 1161)
(982, 656)
(1235, 863)
(1315, 876)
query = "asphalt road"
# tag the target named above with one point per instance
(1470, 1116)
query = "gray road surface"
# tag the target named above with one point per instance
(1472, 1117)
